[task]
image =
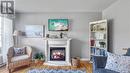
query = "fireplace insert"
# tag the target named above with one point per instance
(57, 53)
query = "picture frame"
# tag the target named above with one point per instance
(34, 31)
(58, 24)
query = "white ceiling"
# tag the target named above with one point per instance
(62, 5)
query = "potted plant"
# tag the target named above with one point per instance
(39, 58)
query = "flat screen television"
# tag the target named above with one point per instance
(58, 24)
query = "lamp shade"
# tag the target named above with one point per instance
(17, 33)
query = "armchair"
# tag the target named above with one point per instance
(17, 61)
(99, 63)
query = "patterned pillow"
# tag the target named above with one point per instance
(124, 64)
(118, 63)
(19, 51)
(112, 62)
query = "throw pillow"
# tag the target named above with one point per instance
(124, 64)
(118, 63)
(19, 51)
(112, 62)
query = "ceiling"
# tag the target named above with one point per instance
(62, 5)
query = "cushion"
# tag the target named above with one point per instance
(124, 64)
(118, 63)
(112, 62)
(19, 51)
(18, 58)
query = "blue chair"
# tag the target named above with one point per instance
(99, 63)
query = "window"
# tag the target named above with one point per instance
(0, 34)
(6, 38)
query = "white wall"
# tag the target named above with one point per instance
(62, 5)
(119, 16)
(79, 29)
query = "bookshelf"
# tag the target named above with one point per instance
(98, 42)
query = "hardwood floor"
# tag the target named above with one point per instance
(23, 69)
(87, 65)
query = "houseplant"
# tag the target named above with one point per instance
(39, 58)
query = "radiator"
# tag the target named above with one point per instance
(1, 61)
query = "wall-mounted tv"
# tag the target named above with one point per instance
(58, 24)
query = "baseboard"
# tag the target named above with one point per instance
(85, 59)
(1, 61)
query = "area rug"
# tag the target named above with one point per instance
(55, 71)
(34, 68)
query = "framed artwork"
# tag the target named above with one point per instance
(58, 24)
(35, 31)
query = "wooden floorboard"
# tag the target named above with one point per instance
(83, 64)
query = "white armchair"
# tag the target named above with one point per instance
(17, 61)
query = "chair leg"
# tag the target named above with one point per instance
(9, 70)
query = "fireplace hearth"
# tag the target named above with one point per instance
(57, 53)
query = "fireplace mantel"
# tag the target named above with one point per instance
(57, 42)
(58, 39)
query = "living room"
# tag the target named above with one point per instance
(59, 32)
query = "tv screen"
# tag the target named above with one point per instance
(58, 24)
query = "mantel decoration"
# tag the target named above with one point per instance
(34, 31)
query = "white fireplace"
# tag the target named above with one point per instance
(57, 51)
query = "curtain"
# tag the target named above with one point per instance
(7, 37)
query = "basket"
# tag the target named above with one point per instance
(75, 62)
